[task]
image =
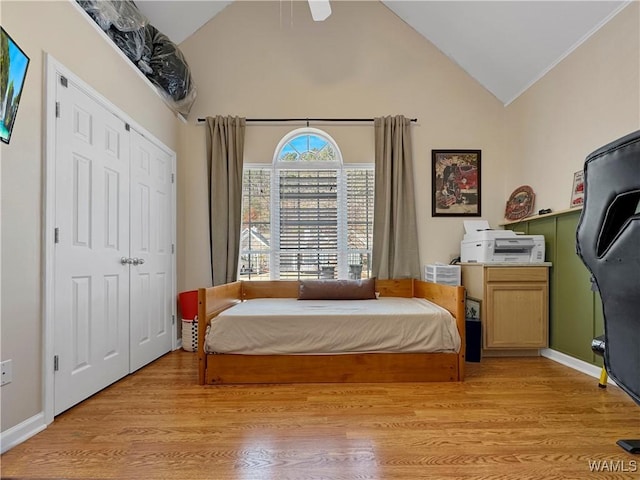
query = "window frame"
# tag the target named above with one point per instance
(343, 251)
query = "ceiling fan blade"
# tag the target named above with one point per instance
(320, 9)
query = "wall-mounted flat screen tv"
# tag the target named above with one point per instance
(13, 71)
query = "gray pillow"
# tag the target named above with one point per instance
(337, 289)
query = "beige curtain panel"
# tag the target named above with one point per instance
(225, 150)
(395, 235)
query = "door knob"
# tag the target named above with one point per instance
(138, 261)
(126, 261)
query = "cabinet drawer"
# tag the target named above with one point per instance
(517, 274)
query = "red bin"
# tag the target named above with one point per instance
(188, 302)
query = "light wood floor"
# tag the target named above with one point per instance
(526, 418)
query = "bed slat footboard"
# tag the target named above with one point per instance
(349, 368)
(212, 301)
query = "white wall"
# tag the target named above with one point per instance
(60, 29)
(590, 99)
(363, 61)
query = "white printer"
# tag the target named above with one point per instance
(484, 245)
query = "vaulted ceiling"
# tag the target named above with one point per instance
(505, 45)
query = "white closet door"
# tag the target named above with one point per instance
(152, 296)
(91, 291)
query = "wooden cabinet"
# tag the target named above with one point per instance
(575, 312)
(515, 305)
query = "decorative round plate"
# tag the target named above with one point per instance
(520, 203)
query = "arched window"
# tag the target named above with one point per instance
(307, 148)
(314, 219)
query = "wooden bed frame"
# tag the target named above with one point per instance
(215, 369)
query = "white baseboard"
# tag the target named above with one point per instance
(21, 432)
(572, 362)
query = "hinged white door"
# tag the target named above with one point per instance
(91, 285)
(152, 298)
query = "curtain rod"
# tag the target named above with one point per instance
(201, 120)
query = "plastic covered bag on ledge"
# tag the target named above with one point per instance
(169, 70)
(121, 14)
(122, 22)
(182, 106)
(131, 43)
(153, 53)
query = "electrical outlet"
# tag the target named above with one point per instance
(6, 372)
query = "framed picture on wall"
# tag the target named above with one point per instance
(577, 192)
(455, 183)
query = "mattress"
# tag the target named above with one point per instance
(285, 326)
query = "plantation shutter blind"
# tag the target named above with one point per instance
(309, 223)
(360, 190)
